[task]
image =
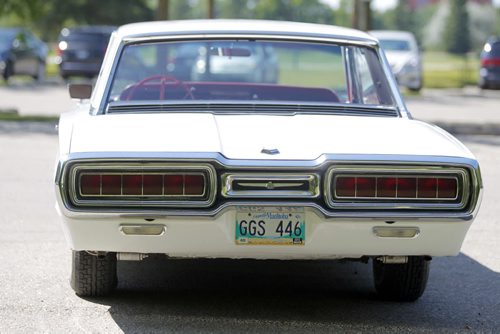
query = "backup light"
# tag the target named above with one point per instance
(396, 232)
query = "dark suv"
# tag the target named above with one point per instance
(81, 50)
(489, 74)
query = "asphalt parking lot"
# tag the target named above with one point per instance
(207, 296)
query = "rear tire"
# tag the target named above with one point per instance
(401, 282)
(92, 275)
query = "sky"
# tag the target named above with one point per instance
(382, 5)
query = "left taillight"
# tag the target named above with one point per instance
(131, 186)
(142, 185)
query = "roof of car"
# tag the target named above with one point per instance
(10, 30)
(222, 26)
(89, 29)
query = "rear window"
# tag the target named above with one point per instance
(395, 45)
(492, 49)
(86, 37)
(250, 71)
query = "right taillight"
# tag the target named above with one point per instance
(373, 187)
(395, 187)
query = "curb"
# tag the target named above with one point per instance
(28, 127)
(457, 128)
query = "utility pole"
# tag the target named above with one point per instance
(211, 9)
(162, 11)
(361, 18)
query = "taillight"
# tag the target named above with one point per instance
(141, 185)
(395, 187)
(373, 187)
(136, 185)
(485, 62)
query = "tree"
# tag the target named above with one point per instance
(405, 19)
(457, 31)
(49, 16)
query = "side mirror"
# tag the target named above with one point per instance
(80, 91)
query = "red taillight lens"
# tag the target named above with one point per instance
(386, 186)
(174, 184)
(407, 187)
(391, 187)
(194, 185)
(345, 186)
(447, 188)
(90, 184)
(427, 187)
(365, 187)
(111, 184)
(490, 62)
(152, 185)
(142, 185)
(132, 184)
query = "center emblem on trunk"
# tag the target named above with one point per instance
(270, 151)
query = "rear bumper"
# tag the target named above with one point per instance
(214, 237)
(489, 76)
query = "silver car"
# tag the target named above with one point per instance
(403, 54)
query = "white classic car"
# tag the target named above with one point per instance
(325, 163)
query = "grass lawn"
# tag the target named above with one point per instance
(444, 70)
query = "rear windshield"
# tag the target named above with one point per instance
(250, 71)
(86, 40)
(494, 49)
(395, 45)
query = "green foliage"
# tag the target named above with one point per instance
(444, 70)
(405, 19)
(284, 10)
(457, 32)
(49, 16)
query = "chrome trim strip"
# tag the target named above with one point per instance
(320, 163)
(267, 181)
(213, 35)
(76, 199)
(393, 203)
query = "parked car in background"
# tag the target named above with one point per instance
(489, 73)
(80, 50)
(327, 163)
(248, 62)
(208, 61)
(21, 53)
(403, 54)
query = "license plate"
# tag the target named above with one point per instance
(270, 226)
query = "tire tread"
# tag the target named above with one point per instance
(93, 275)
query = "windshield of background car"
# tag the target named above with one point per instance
(249, 71)
(5, 40)
(395, 45)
